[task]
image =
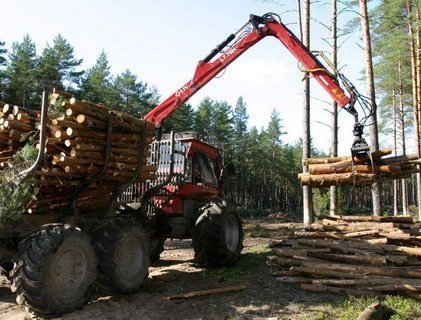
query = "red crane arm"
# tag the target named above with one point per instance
(206, 69)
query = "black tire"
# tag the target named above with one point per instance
(122, 248)
(156, 247)
(54, 270)
(217, 235)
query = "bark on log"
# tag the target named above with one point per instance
(327, 180)
(376, 155)
(335, 290)
(207, 292)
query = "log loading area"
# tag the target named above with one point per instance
(358, 255)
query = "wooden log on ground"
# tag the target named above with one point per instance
(402, 272)
(395, 219)
(320, 273)
(369, 259)
(368, 281)
(361, 233)
(359, 246)
(376, 310)
(207, 292)
(346, 291)
(286, 252)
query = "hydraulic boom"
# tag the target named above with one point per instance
(224, 54)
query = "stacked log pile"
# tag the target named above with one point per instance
(369, 256)
(16, 124)
(326, 172)
(76, 152)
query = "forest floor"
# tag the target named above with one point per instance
(176, 273)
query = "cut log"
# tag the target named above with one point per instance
(336, 290)
(207, 292)
(369, 259)
(326, 180)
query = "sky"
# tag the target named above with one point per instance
(162, 40)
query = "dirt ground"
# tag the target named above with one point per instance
(176, 273)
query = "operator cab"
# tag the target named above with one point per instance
(201, 171)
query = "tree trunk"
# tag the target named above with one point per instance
(369, 75)
(417, 105)
(415, 88)
(307, 196)
(395, 146)
(334, 123)
(300, 20)
(402, 127)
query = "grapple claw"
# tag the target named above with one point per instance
(361, 150)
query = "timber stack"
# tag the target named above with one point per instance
(333, 171)
(76, 151)
(355, 255)
(15, 125)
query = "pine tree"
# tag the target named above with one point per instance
(97, 82)
(369, 77)
(240, 119)
(20, 74)
(181, 120)
(3, 52)
(130, 95)
(221, 126)
(273, 144)
(256, 157)
(3, 62)
(57, 66)
(307, 201)
(391, 49)
(333, 209)
(203, 118)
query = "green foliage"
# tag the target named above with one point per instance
(321, 201)
(392, 65)
(20, 74)
(181, 120)
(3, 62)
(96, 83)
(57, 66)
(12, 201)
(238, 153)
(14, 197)
(404, 308)
(252, 259)
(350, 308)
(3, 51)
(56, 107)
(129, 95)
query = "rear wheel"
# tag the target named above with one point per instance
(217, 235)
(122, 248)
(54, 271)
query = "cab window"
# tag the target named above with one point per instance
(206, 169)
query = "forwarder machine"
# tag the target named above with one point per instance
(57, 265)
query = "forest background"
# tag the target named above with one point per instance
(261, 167)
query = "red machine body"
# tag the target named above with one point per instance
(201, 175)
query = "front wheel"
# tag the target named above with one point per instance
(54, 271)
(218, 234)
